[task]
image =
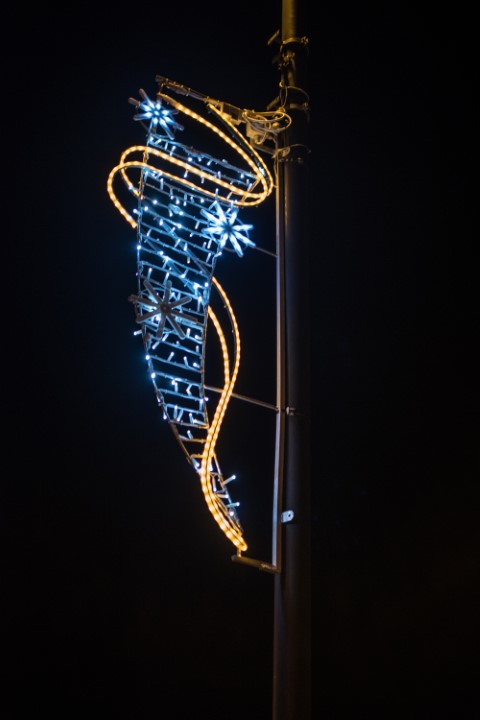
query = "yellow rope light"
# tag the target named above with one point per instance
(264, 176)
(248, 197)
(229, 528)
(243, 197)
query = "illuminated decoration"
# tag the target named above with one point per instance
(223, 226)
(186, 215)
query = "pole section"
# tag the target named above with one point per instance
(292, 649)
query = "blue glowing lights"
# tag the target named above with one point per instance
(223, 228)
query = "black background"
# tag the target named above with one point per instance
(123, 600)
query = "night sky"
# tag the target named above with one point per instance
(123, 601)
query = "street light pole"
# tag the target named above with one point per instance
(292, 649)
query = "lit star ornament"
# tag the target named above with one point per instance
(163, 308)
(157, 114)
(223, 228)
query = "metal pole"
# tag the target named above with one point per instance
(292, 650)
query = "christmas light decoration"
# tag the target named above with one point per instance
(186, 214)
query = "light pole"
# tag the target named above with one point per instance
(176, 282)
(292, 684)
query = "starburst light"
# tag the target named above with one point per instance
(223, 228)
(157, 114)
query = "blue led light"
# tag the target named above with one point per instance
(223, 225)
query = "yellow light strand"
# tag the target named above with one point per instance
(246, 198)
(253, 160)
(265, 177)
(114, 198)
(216, 507)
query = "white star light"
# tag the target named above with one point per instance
(157, 114)
(164, 308)
(223, 228)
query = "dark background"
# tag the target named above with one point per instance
(123, 601)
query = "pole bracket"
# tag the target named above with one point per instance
(287, 516)
(259, 564)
